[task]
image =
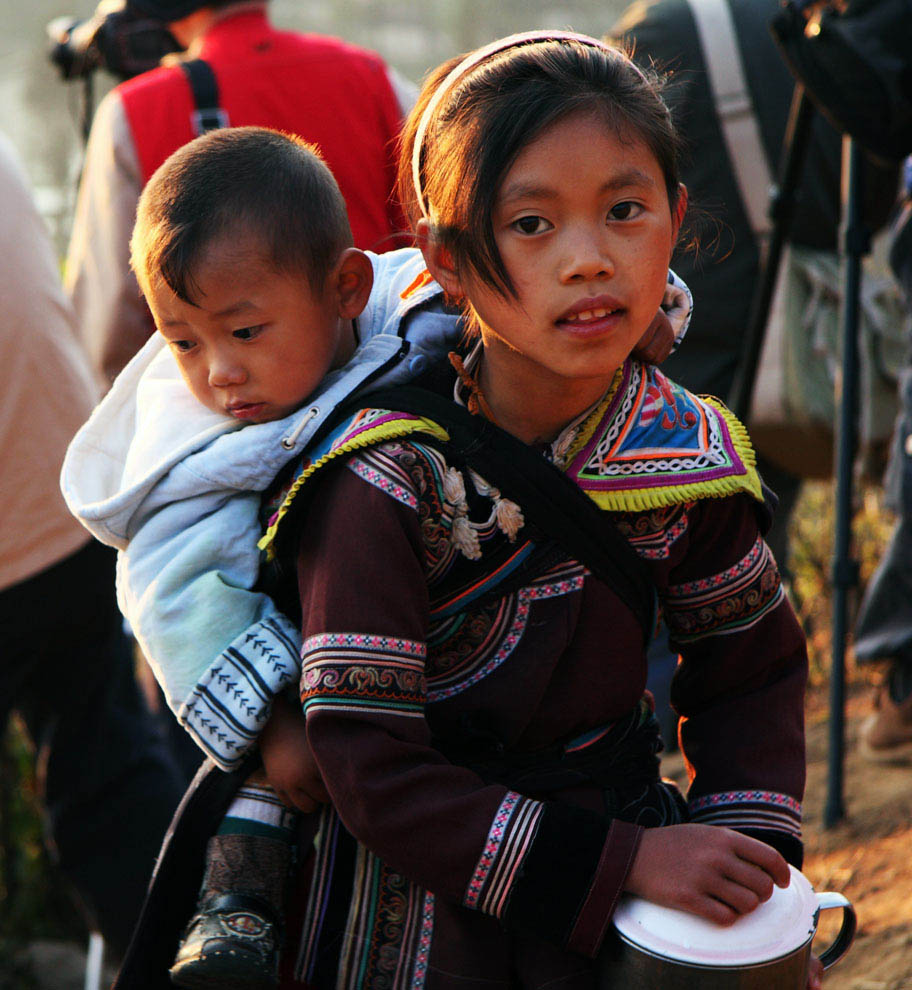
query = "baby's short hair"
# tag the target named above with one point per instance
(273, 184)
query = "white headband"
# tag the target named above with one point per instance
(469, 62)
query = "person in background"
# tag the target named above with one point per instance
(108, 784)
(339, 97)
(884, 627)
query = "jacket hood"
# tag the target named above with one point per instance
(145, 424)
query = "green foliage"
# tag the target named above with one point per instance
(811, 562)
(36, 902)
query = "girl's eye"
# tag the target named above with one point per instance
(247, 333)
(531, 225)
(626, 210)
(182, 346)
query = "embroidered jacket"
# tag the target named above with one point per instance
(440, 873)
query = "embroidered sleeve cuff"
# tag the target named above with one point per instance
(769, 816)
(570, 877)
(232, 701)
(749, 809)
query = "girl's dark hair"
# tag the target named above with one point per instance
(240, 178)
(495, 110)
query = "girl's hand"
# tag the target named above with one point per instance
(287, 760)
(710, 871)
(656, 343)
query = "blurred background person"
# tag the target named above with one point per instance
(884, 627)
(108, 785)
(723, 270)
(338, 96)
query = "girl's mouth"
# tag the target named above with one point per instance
(592, 315)
(588, 315)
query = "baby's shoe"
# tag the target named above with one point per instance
(231, 943)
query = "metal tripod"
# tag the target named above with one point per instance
(855, 244)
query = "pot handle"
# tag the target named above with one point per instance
(833, 953)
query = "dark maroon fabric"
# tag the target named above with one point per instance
(614, 865)
(552, 662)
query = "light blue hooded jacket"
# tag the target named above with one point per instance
(176, 489)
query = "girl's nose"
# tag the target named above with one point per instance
(587, 257)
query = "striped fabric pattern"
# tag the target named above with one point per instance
(391, 911)
(509, 839)
(448, 680)
(749, 809)
(359, 672)
(257, 808)
(229, 707)
(730, 601)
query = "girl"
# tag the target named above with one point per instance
(473, 689)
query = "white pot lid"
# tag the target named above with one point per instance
(775, 929)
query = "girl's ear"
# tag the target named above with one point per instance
(439, 260)
(353, 277)
(679, 210)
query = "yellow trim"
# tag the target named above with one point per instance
(633, 500)
(369, 437)
(639, 500)
(591, 422)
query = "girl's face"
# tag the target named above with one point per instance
(585, 229)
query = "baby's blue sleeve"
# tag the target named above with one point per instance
(185, 584)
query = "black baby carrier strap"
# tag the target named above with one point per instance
(551, 503)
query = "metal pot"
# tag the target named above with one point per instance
(651, 947)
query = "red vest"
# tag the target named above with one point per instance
(331, 93)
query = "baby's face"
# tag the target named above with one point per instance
(257, 341)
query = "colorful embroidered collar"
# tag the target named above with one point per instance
(649, 443)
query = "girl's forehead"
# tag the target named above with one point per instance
(566, 147)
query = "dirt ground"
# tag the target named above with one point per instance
(867, 856)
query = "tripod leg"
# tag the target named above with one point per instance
(856, 244)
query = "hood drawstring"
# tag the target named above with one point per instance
(289, 441)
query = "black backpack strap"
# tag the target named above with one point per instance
(208, 115)
(550, 501)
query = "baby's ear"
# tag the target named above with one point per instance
(354, 279)
(439, 260)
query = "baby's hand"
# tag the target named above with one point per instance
(657, 342)
(705, 869)
(287, 760)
